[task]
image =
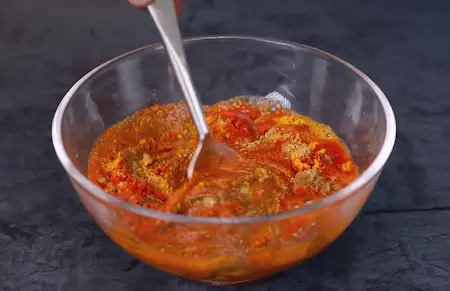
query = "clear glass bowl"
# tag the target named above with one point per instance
(227, 251)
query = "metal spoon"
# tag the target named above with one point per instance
(208, 151)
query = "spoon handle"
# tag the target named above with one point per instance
(163, 13)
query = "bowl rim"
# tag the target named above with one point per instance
(366, 176)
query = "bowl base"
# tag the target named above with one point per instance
(229, 283)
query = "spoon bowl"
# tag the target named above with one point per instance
(209, 155)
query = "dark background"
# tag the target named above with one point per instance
(401, 240)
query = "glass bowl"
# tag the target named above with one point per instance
(233, 250)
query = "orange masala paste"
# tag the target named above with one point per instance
(290, 160)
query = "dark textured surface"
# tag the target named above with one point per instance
(401, 241)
